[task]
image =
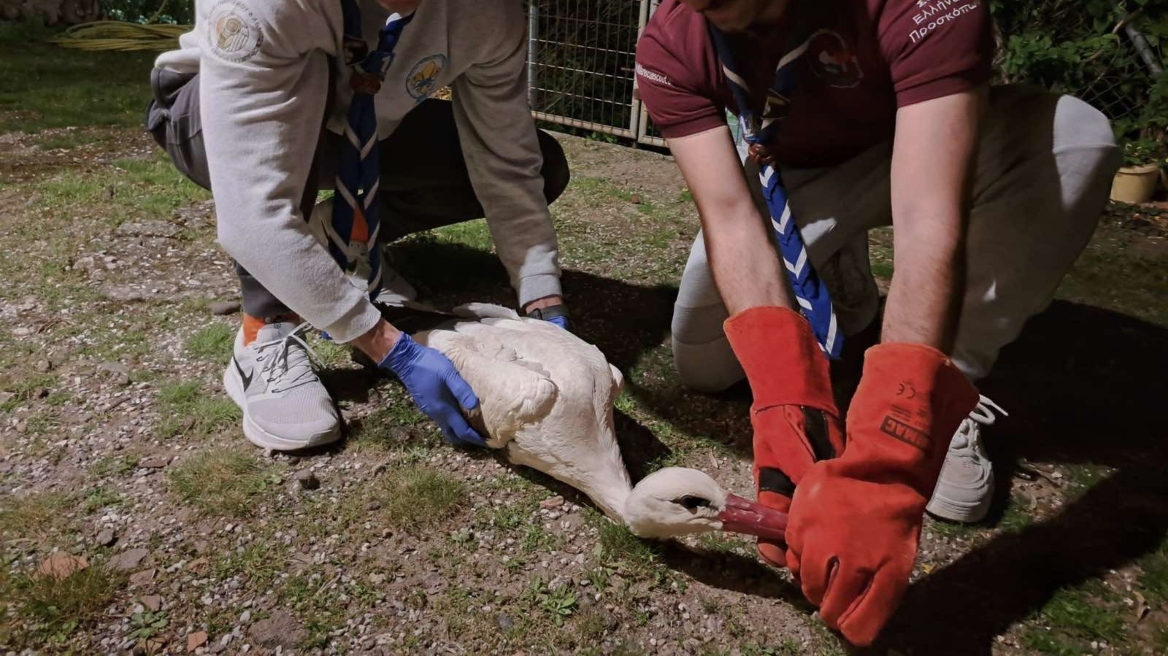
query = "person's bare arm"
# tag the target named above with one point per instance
(742, 255)
(932, 161)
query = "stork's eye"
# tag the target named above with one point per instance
(692, 502)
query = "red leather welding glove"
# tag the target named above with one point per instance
(794, 416)
(855, 521)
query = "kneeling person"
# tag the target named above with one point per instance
(264, 103)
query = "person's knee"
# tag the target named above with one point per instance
(555, 171)
(1082, 128)
(710, 367)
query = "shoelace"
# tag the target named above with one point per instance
(982, 415)
(288, 361)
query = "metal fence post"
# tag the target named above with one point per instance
(532, 35)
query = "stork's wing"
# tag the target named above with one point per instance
(513, 393)
(485, 310)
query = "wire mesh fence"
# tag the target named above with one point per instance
(581, 57)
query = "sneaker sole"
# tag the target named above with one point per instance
(260, 437)
(957, 511)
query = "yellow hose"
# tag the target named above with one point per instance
(117, 35)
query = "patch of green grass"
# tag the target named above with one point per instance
(53, 608)
(98, 497)
(415, 497)
(212, 343)
(952, 530)
(114, 466)
(1153, 582)
(146, 625)
(558, 604)
(184, 408)
(260, 563)
(719, 542)
(22, 389)
(392, 427)
(33, 515)
(1016, 517)
(222, 482)
(619, 547)
(46, 86)
(471, 233)
(1076, 617)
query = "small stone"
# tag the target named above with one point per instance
(196, 640)
(372, 506)
(84, 263)
(153, 603)
(281, 629)
(505, 622)
(224, 308)
(5, 397)
(245, 617)
(143, 578)
(554, 502)
(107, 537)
(41, 393)
(377, 579)
(124, 294)
(128, 560)
(635, 199)
(61, 565)
(43, 366)
(294, 460)
(153, 462)
(307, 479)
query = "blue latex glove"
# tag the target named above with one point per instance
(556, 314)
(562, 322)
(436, 387)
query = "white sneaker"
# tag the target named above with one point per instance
(966, 486)
(285, 406)
(395, 289)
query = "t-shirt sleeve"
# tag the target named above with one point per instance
(677, 74)
(936, 48)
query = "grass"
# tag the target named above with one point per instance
(222, 482)
(54, 608)
(415, 497)
(186, 409)
(46, 86)
(38, 515)
(114, 466)
(213, 343)
(1076, 616)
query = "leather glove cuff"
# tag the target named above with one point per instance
(915, 398)
(782, 360)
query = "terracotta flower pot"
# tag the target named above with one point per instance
(1135, 184)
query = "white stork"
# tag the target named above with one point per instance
(547, 400)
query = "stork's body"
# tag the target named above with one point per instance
(547, 400)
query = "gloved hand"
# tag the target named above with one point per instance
(555, 314)
(794, 416)
(436, 387)
(855, 521)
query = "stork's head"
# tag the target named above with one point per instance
(677, 501)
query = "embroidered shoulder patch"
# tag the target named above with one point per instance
(234, 32)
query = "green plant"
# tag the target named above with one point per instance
(147, 625)
(1138, 152)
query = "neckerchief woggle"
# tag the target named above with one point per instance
(355, 222)
(810, 292)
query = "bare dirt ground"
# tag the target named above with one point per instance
(157, 528)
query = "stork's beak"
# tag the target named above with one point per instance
(750, 518)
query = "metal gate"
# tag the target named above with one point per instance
(580, 65)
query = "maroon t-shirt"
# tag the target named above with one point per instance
(864, 60)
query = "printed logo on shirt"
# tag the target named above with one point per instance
(423, 79)
(234, 32)
(935, 13)
(652, 76)
(833, 60)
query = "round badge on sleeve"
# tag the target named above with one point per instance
(234, 31)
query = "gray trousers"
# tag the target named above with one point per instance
(1043, 174)
(429, 189)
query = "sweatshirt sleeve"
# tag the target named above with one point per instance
(263, 88)
(503, 157)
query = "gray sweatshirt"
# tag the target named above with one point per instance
(263, 79)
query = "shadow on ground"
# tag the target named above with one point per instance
(1081, 385)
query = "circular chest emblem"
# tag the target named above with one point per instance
(833, 60)
(234, 32)
(422, 81)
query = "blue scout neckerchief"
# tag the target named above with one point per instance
(810, 292)
(355, 223)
